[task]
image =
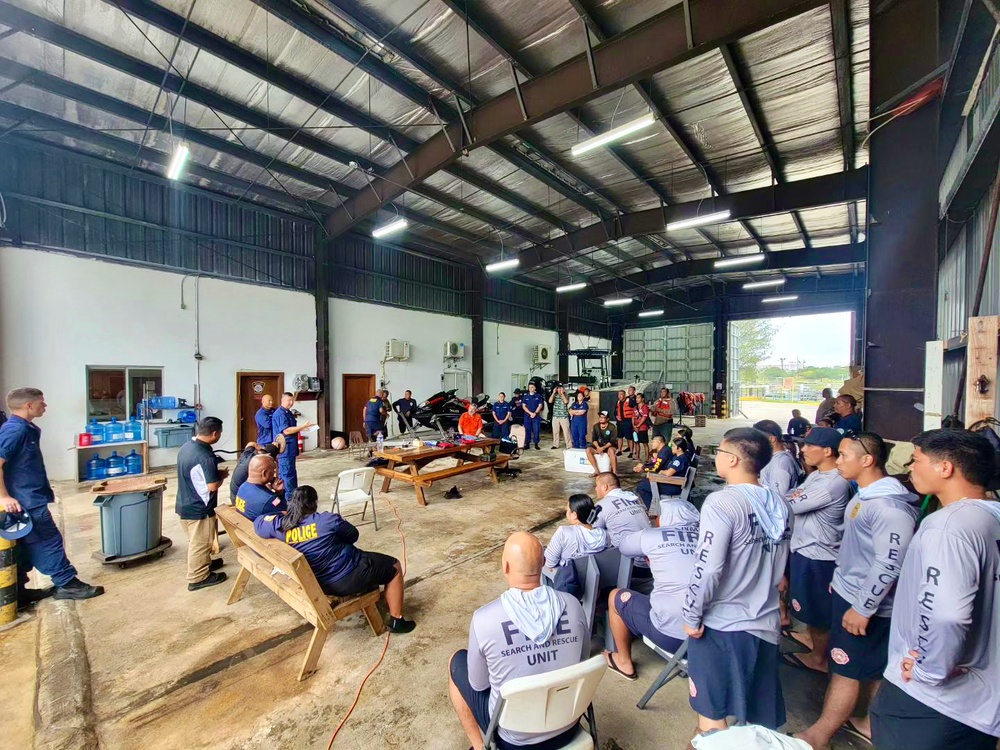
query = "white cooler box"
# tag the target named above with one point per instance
(575, 459)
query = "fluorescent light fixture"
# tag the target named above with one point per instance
(698, 221)
(763, 284)
(618, 302)
(615, 134)
(743, 260)
(177, 161)
(392, 227)
(650, 313)
(783, 298)
(571, 287)
(503, 265)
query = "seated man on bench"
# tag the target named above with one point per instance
(262, 492)
(327, 541)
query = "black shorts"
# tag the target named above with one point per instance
(642, 437)
(900, 722)
(735, 674)
(810, 590)
(478, 702)
(858, 657)
(373, 570)
(625, 429)
(635, 609)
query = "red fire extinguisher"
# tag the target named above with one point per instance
(302, 443)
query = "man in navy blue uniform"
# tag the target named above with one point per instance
(265, 429)
(283, 422)
(24, 485)
(532, 403)
(262, 492)
(502, 417)
(374, 416)
(405, 408)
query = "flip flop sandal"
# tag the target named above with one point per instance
(796, 663)
(610, 659)
(849, 728)
(790, 635)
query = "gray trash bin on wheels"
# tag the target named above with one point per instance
(131, 519)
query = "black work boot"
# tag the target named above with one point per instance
(212, 579)
(77, 589)
(30, 597)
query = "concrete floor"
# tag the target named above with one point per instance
(152, 665)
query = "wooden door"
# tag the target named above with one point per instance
(251, 387)
(357, 390)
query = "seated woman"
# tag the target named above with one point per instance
(327, 541)
(669, 461)
(685, 432)
(577, 538)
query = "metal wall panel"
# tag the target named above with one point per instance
(976, 231)
(951, 317)
(519, 304)
(58, 201)
(679, 355)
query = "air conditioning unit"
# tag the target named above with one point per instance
(397, 350)
(543, 355)
(454, 350)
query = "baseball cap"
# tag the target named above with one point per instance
(768, 427)
(824, 437)
(603, 414)
(15, 526)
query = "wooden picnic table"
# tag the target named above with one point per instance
(415, 459)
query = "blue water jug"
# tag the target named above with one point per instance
(133, 463)
(97, 468)
(165, 402)
(187, 416)
(96, 431)
(133, 429)
(116, 465)
(114, 431)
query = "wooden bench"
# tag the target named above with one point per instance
(685, 482)
(293, 582)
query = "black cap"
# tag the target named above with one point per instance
(769, 427)
(603, 414)
(824, 437)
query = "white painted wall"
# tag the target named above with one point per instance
(516, 351)
(51, 329)
(358, 333)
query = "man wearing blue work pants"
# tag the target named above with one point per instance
(532, 403)
(24, 486)
(283, 422)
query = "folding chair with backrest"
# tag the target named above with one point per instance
(676, 667)
(686, 483)
(547, 702)
(588, 572)
(355, 486)
(623, 580)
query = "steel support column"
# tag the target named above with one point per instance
(720, 359)
(476, 305)
(902, 232)
(562, 327)
(322, 339)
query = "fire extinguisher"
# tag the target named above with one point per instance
(302, 442)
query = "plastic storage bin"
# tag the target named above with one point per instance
(174, 436)
(131, 523)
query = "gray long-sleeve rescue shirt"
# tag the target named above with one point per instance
(781, 473)
(818, 505)
(878, 526)
(948, 610)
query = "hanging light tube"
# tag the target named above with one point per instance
(783, 298)
(650, 313)
(503, 265)
(743, 260)
(571, 287)
(177, 161)
(699, 221)
(397, 225)
(615, 134)
(618, 302)
(763, 284)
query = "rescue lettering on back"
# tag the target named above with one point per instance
(301, 534)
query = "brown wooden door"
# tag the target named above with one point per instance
(357, 390)
(251, 387)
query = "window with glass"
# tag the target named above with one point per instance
(115, 391)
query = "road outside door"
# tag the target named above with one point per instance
(357, 390)
(251, 388)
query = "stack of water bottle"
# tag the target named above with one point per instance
(114, 432)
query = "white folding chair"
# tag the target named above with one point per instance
(550, 701)
(355, 486)
(676, 667)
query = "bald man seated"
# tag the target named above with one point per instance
(263, 491)
(531, 629)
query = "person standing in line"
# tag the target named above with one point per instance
(944, 641)
(798, 426)
(373, 416)
(622, 424)
(846, 407)
(662, 414)
(578, 411)
(782, 472)
(265, 429)
(640, 426)
(629, 409)
(285, 424)
(25, 489)
(404, 408)
(560, 416)
(878, 526)
(532, 403)
(826, 405)
(198, 481)
(502, 417)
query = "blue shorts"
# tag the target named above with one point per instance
(858, 657)
(635, 609)
(810, 590)
(900, 722)
(624, 429)
(478, 702)
(735, 674)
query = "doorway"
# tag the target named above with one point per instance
(357, 390)
(251, 387)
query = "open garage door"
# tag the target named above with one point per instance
(733, 372)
